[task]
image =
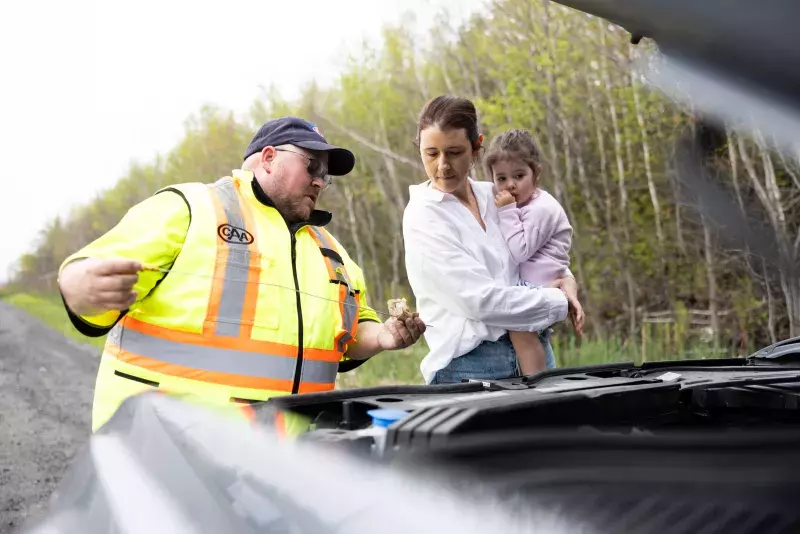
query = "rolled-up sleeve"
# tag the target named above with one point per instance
(441, 269)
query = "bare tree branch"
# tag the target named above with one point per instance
(369, 144)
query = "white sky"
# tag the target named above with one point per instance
(86, 86)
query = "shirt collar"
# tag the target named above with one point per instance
(426, 191)
(318, 217)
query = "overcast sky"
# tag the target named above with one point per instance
(87, 87)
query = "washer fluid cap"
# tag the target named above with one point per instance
(384, 417)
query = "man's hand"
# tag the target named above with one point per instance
(391, 335)
(94, 286)
(503, 198)
(401, 334)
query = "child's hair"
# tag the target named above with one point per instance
(513, 145)
(450, 112)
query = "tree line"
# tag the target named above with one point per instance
(641, 252)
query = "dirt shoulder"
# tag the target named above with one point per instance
(46, 385)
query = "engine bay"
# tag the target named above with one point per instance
(678, 448)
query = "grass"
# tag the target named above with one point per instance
(50, 310)
(389, 368)
(402, 367)
(572, 353)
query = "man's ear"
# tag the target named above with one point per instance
(267, 158)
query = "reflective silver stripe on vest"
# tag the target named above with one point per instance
(251, 364)
(350, 307)
(234, 284)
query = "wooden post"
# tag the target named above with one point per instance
(644, 341)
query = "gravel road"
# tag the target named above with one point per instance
(46, 384)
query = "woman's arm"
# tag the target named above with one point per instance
(440, 269)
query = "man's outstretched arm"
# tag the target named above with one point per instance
(373, 338)
(103, 279)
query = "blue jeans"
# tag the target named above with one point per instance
(491, 360)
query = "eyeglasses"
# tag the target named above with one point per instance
(316, 168)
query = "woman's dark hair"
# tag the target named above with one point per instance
(513, 144)
(450, 112)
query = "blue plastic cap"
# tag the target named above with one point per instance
(384, 417)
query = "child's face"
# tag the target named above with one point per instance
(514, 176)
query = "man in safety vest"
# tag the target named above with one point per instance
(232, 291)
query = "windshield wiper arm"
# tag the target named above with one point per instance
(747, 381)
(786, 350)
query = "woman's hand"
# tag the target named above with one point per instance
(576, 316)
(570, 288)
(503, 198)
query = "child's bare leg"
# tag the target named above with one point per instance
(530, 352)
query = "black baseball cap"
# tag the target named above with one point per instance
(299, 132)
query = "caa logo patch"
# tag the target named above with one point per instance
(232, 234)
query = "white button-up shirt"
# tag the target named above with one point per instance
(464, 278)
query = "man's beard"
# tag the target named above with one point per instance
(292, 210)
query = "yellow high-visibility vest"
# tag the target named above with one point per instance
(226, 326)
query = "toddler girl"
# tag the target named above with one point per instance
(534, 226)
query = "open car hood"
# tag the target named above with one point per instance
(754, 41)
(163, 465)
(733, 60)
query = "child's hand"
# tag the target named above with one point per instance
(503, 198)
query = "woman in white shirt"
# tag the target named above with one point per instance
(464, 279)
